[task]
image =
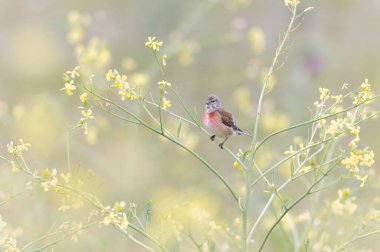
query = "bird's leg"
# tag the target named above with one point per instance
(221, 145)
(212, 137)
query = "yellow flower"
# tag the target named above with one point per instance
(83, 97)
(88, 114)
(291, 3)
(364, 94)
(338, 98)
(50, 179)
(344, 203)
(17, 149)
(236, 164)
(367, 159)
(153, 44)
(69, 88)
(115, 215)
(162, 84)
(324, 94)
(129, 94)
(111, 74)
(166, 103)
(121, 81)
(362, 179)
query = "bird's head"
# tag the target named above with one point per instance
(212, 103)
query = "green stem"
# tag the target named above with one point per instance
(209, 166)
(279, 51)
(307, 193)
(311, 121)
(359, 237)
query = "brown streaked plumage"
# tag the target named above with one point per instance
(218, 121)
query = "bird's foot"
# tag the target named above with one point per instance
(212, 137)
(221, 145)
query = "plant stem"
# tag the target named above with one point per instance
(307, 193)
(279, 51)
(359, 237)
(193, 153)
(312, 121)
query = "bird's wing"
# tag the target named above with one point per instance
(227, 118)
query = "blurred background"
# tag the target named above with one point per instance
(214, 46)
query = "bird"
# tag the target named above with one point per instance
(219, 122)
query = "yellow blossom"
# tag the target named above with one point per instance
(291, 3)
(88, 114)
(69, 88)
(362, 179)
(111, 74)
(338, 98)
(16, 149)
(364, 94)
(49, 179)
(166, 103)
(236, 164)
(153, 43)
(115, 215)
(163, 83)
(344, 203)
(324, 94)
(128, 94)
(367, 159)
(290, 152)
(83, 97)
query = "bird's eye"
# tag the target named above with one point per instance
(213, 101)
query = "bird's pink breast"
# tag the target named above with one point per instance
(210, 118)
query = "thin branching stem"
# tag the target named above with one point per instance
(303, 196)
(312, 121)
(256, 126)
(196, 155)
(359, 237)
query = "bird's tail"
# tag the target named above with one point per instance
(240, 132)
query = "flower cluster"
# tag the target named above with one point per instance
(84, 99)
(344, 203)
(243, 156)
(49, 178)
(17, 149)
(83, 122)
(153, 43)
(165, 103)
(8, 242)
(68, 200)
(69, 77)
(115, 215)
(291, 3)
(364, 94)
(126, 90)
(357, 157)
